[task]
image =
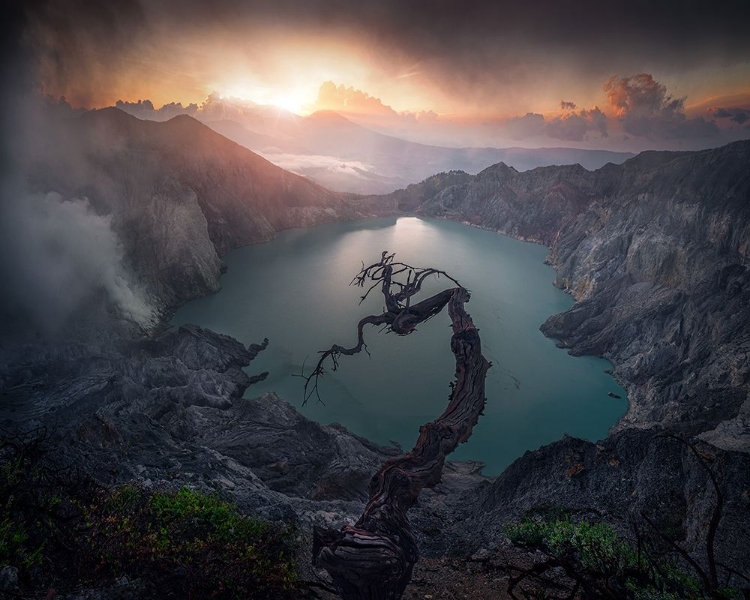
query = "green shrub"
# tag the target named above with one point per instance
(60, 529)
(191, 544)
(604, 565)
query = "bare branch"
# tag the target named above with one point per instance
(399, 315)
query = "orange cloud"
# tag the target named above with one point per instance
(645, 109)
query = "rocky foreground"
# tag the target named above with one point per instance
(171, 409)
(655, 251)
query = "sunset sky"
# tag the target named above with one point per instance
(604, 74)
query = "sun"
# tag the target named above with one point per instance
(291, 100)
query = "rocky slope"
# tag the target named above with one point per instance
(656, 251)
(179, 194)
(169, 410)
(616, 481)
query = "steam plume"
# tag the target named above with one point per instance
(58, 253)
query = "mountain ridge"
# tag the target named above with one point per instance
(389, 162)
(179, 194)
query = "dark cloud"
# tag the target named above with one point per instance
(79, 43)
(738, 115)
(565, 105)
(575, 126)
(483, 47)
(645, 109)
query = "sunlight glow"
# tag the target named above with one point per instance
(293, 101)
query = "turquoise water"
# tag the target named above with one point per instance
(295, 291)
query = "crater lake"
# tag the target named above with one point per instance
(295, 291)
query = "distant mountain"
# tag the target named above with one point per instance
(344, 156)
(258, 142)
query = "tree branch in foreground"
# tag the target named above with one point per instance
(374, 558)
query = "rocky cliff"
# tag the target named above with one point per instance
(656, 252)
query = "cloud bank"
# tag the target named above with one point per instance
(735, 114)
(144, 109)
(348, 100)
(302, 163)
(571, 127)
(636, 112)
(473, 52)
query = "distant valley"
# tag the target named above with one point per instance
(346, 157)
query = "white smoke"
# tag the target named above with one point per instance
(58, 253)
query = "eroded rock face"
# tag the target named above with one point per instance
(657, 252)
(172, 409)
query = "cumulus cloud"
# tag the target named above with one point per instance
(214, 108)
(639, 106)
(569, 127)
(427, 116)
(736, 115)
(574, 127)
(645, 109)
(347, 99)
(58, 253)
(529, 125)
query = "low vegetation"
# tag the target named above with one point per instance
(193, 544)
(60, 530)
(598, 563)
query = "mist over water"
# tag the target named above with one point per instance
(295, 291)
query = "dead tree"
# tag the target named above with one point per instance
(374, 558)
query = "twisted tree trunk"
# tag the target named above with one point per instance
(374, 558)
